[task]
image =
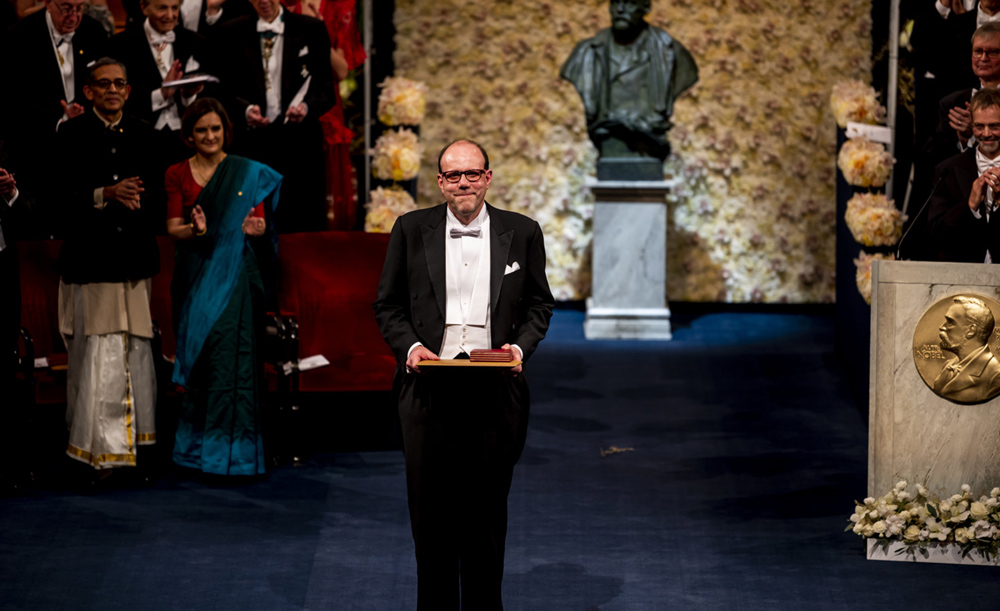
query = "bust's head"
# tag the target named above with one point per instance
(627, 15)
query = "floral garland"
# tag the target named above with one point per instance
(385, 207)
(921, 521)
(863, 276)
(865, 163)
(874, 220)
(856, 101)
(402, 101)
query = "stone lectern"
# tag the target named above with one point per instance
(934, 413)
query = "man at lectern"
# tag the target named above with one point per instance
(963, 220)
(459, 277)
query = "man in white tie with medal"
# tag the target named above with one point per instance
(962, 219)
(276, 70)
(459, 277)
(156, 53)
(49, 51)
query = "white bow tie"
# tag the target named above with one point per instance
(277, 26)
(158, 39)
(64, 38)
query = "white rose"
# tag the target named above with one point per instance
(868, 531)
(979, 511)
(879, 526)
(901, 484)
(912, 533)
(857, 529)
(995, 492)
(869, 501)
(966, 488)
(945, 506)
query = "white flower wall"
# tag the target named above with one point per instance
(753, 142)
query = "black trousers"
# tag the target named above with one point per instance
(10, 321)
(463, 432)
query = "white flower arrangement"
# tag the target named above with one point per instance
(856, 101)
(863, 275)
(921, 521)
(396, 155)
(385, 207)
(402, 101)
(874, 220)
(864, 163)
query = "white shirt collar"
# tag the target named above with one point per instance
(476, 223)
(156, 38)
(56, 35)
(983, 18)
(277, 26)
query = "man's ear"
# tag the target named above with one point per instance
(88, 93)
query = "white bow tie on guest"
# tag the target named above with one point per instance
(277, 26)
(64, 38)
(158, 39)
(458, 233)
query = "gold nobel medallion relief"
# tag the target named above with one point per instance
(954, 348)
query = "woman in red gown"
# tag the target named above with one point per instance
(346, 54)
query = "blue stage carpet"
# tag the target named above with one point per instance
(743, 454)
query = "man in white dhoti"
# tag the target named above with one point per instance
(106, 264)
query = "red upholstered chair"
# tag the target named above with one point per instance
(328, 282)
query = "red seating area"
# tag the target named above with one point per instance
(327, 281)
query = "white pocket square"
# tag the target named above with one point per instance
(192, 65)
(510, 269)
(304, 51)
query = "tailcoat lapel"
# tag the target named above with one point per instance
(499, 249)
(433, 236)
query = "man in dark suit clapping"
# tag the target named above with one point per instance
(155, 53)
(276, 71)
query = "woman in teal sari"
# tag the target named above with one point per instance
(215, 216)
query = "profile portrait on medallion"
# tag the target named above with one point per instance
(954, 348)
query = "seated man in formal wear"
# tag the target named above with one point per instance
(973, 374)
(46, 55)
(459, 277)
(962, 220)
(276, 70)
(159, 52)
(106, 264)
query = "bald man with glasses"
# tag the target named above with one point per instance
(459, 277)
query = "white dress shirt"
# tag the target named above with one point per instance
(467, 284)
(272, 67)
(62, 47)
(162, 48)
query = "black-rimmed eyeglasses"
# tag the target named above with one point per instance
(470, 175)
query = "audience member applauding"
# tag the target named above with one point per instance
(106, 263)
(278, 74)
(46, 55)
(159, 52)
(963, 220)
(218, 295)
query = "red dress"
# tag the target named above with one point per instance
(183, 191)
(341, 24)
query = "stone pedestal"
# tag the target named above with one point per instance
(629, 287)
(913, 433)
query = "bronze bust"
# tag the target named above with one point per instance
(629, 76)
